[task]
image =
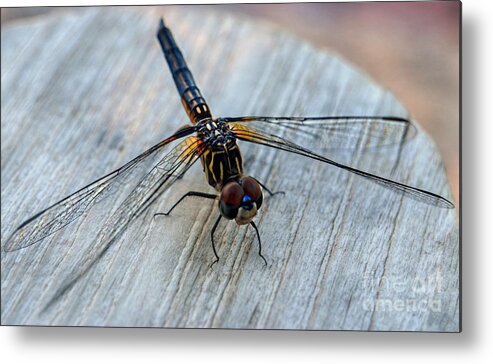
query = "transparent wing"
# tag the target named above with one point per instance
(334, 132)
(254, 136)
(162, 176)
(65, 211)
(169, 169)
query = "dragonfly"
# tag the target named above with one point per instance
(214, 141)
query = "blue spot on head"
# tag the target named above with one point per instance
(247, 202)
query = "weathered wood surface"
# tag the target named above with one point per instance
(85, 92)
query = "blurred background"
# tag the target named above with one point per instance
(411, 48)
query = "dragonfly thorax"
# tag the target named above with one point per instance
(216, 134)
(221, 159)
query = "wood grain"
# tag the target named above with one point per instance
(84, 93)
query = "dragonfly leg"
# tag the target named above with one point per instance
(259, 242)
(268, 190)
(212, 240)
(190, 193)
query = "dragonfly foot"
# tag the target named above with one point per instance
(161, 214)
(214, 262)
(188, 194)
(277, 193)
(268, 190)
(259, 243)
(212, 241)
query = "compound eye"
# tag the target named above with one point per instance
(232, 193)
(231, 198)
(259, 201)
(251, 188)
(228, 211)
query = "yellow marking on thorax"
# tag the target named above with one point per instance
(221, 172)
(240, 170)
(210, 167)
(204, 158)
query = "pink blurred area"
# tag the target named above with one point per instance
(411, 48)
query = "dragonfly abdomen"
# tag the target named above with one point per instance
(191, 98)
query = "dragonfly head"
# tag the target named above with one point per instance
(240, 200)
